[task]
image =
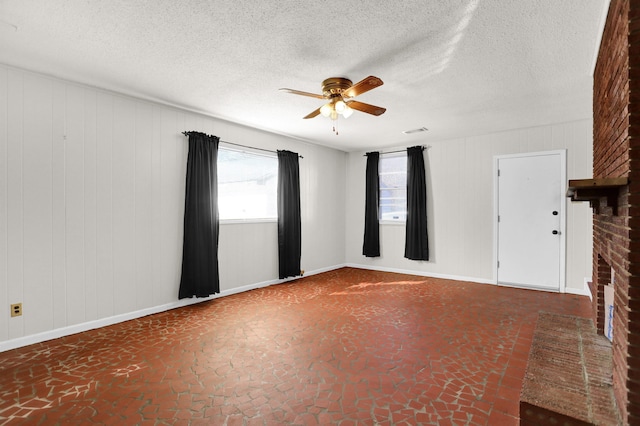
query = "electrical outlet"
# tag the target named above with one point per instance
(16, 309)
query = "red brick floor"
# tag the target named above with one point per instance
(344, 347)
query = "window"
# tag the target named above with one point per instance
(247, 185)
(393, 188)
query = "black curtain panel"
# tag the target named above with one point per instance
(371, 245)
(201, 223)
(416, 240)
(289, 228)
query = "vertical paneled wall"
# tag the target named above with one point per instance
(92, 201)
(460, 204)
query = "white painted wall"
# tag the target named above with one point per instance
(460, 205)
(92, 200)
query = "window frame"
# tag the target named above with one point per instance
(402, 221)
(248, 151)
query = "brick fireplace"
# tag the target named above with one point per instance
(616, 219)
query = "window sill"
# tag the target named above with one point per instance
(246, 221)
(393, 222)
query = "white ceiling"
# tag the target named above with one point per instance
(457, 67)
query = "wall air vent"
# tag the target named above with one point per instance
(410, 132)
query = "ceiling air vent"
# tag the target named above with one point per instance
(410, 132)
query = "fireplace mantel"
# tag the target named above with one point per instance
(596, 190)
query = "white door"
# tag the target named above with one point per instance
(530, 222)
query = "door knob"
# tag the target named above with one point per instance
(555, 232)
(555, 213)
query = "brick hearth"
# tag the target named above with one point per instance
(568, 376)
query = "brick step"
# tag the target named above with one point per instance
(568, 377)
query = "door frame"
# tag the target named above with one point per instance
(563, 212)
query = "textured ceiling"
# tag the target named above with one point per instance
(457, 67)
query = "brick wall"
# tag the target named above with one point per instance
(616, 152)
(611, 96)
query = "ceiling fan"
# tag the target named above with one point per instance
(339, 92)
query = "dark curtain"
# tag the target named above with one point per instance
(416, 240)
(371, 246)
(289, 235)
(200, 244)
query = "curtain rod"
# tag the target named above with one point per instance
(244, 146)
(400, 150)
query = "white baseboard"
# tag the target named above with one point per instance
(584, 291)
(580, 292)
(422, 273)
(309, 273)
(104, 322)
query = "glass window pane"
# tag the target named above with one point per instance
(247, 185)
(393, 188)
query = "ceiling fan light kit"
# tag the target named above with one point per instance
(339, 92)
(334, 108)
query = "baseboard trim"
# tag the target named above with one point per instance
(115, 319)
(422, 273)
(580, 292)
(584, 291)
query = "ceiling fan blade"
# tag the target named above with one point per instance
(363, 86)
(312, 114)
(368, 108)
(298, 92)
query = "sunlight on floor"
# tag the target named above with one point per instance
(380, 284)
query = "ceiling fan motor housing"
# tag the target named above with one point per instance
(335, 86)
